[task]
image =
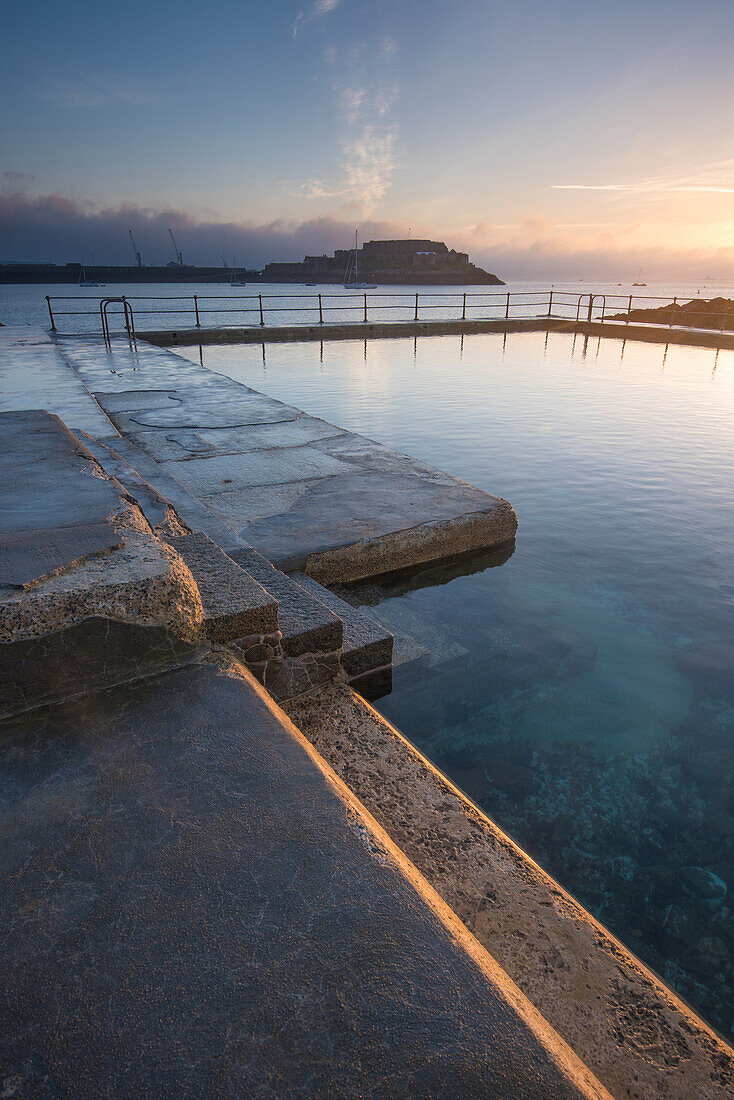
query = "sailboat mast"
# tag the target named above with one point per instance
(356, 268)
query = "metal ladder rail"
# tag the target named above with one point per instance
(104, 304)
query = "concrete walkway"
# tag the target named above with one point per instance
(306, 494)
(34, 375)
(193, 905)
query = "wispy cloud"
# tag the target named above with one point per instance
(317, 8)
(366, 94)
(715, 177)
(483, 227)
(643, 188)
(366, 89)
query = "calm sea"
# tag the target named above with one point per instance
(171, 305)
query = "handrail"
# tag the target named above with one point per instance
(104, 305)
(263, 309)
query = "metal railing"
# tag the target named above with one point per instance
(104, 305)
(196, 311)
(657, 310)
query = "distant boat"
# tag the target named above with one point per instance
(355, 284)
(638, 283)
(84, 281)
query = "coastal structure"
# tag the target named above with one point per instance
(386, 262)
(400, 262)
(70, 273)
(223, 872)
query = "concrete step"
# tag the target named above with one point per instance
(235, 605)
(311, 633)
(367, 646)
(307, 650)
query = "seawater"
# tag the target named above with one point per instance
(581, 688)
(171, 305)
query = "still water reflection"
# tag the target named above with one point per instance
(582, 691)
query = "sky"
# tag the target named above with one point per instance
(550, 140)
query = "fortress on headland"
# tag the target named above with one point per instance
(396, 262)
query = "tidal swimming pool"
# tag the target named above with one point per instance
(581, 688)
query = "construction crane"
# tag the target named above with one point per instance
(177, 254)
(138, 260)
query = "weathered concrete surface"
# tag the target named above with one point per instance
(338, 330)
(89, 595)
(34, 375)
(304, 493)
(658, 334)
(55, 511)
(193, 905)
(366, 645)
(233, 602)
(634, 1033)
(307, 625)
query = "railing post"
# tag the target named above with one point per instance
(415, 318)
(196, 308)
(507, 306)
(629, 310)
(129, 323)
(365, 307)
(321, 312)
(262, 317)
(672, 312)
(51, 313)
(463, 312)
(550, 303)
(591, 307)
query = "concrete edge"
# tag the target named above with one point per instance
(659, 334)
(338, 330)
(568, 1062)
(627, 1026)
(412, 546)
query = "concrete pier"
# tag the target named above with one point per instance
(306, 494)
(200, 895)
(359, 330)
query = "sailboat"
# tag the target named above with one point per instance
(234, 280)
(83, 280)
(639, 276)
(352, 266)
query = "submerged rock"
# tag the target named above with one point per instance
(704, 885)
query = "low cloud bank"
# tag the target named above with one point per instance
(52, 227)
(549, 262)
